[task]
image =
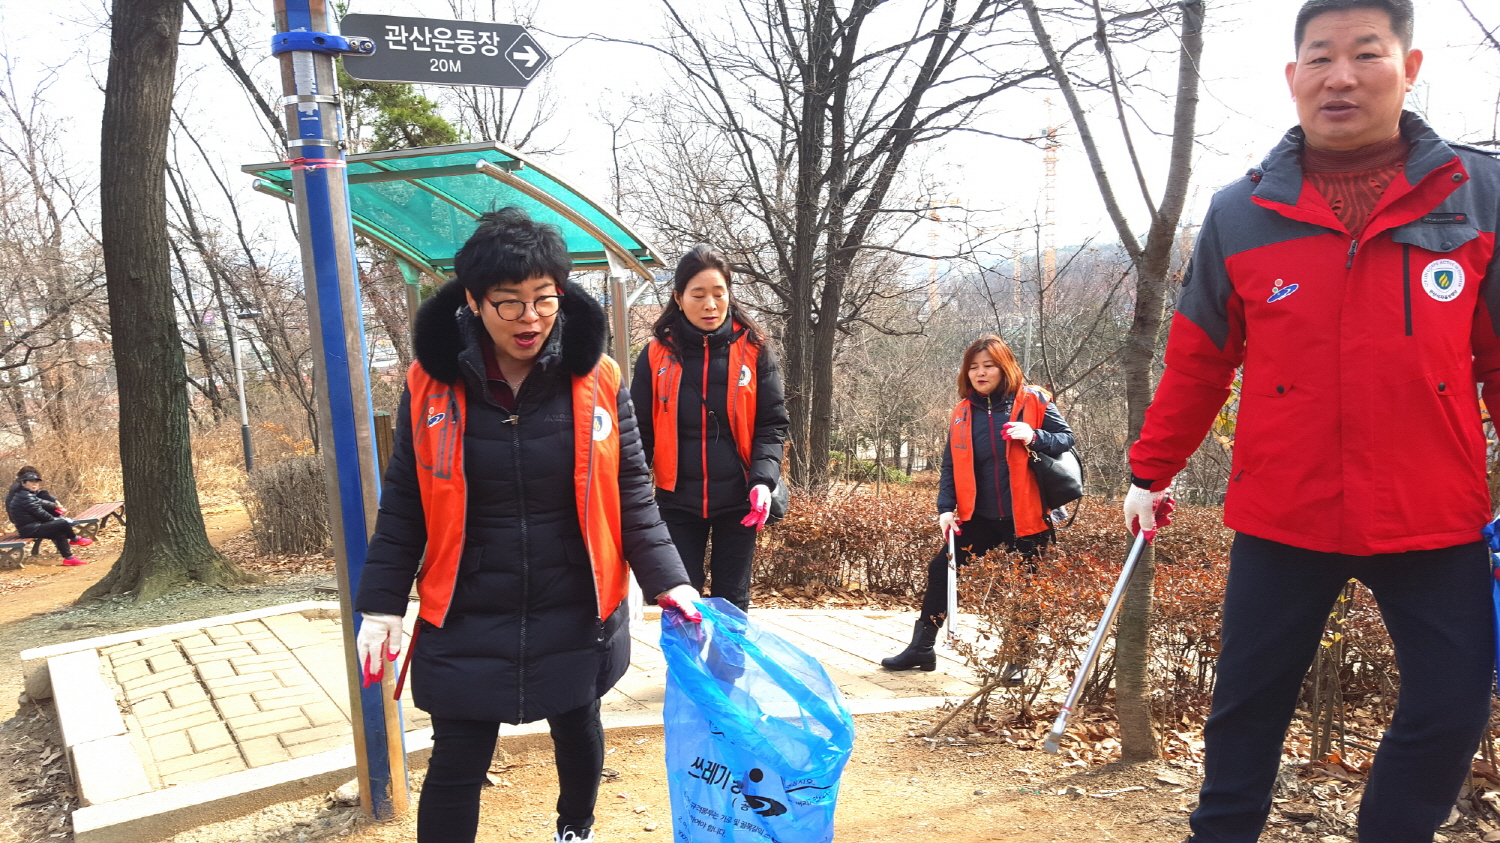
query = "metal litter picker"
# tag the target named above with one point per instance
(950, 635)
(1092, 654)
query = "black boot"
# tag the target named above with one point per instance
(919, 653)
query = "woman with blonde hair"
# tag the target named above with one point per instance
(988, 495)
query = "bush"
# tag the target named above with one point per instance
(864, 471)
(288, 507)
(852, 540)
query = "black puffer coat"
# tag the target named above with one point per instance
(718, 459)
(991, 471)
(28, 509)
(522, 640)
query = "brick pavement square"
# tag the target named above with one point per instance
(263, 750)
(277, 661)
(237, 705)
(317, 733)
(242, 683)
(181, 721)
(224, 631)
(199, 759)
(291, 677)
(166, 661)
(208, 771)
(209, 736)
(157, 682)
(141, 654)
(290, 721)
(324, 712)
(268, 646)
(280, 696)
(130, 671)
(147, 706)
(173, 744)
(252, 628)
(183, 696)
(172, 714)
(215, 669)
(302, 750)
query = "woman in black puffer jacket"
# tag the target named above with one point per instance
(713, 422)
(38, 515)
(522, 589)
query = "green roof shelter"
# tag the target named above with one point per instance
(421, 203)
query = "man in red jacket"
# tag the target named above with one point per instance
(1354, 278)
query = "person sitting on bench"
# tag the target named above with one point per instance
(38, 515)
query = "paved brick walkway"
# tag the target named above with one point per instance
(209, 709)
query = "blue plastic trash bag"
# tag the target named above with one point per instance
(1492, 538)
(757, 734)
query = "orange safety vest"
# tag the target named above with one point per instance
(666, 383)
(1029, 406)
(437, 423)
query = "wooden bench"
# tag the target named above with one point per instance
(90, 521)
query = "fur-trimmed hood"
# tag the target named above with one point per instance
(446, 327)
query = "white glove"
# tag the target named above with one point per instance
(1141, 508)
(949, 521)
(379, 640)
(1019, 430)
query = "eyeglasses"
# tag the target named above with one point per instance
(512, 309)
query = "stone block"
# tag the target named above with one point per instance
(158, 682)
(241, 684)
(305, 694)
(171, 745)
(86, 708)
(216, 669)
(238, 705)
(323, 713)
(191, 642)
(287, 722)
(131, 671)
(318, 733)
(177, 723)
(209, 736)
(265, 750)
(220, 651)
(183, 696)
(205, 772)
(302, 750)
(198, 759)
(148, 706)
(252, 628)
(108, 769)
(167, 717)
(264, 664)
(163, 662)
(139, 653)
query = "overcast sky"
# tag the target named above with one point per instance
(1245, 106)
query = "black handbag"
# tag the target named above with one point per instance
(781, 499)
(1060, 479)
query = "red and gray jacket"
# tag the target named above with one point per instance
(1359, 427)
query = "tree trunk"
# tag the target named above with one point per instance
(166, 545)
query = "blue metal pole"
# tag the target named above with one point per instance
(345, 414)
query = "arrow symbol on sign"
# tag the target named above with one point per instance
(527, 55)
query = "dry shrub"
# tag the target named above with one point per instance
(852, 540)
(288, 507)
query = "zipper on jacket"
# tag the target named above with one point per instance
(703, 428)
(999, 455)
(515, 440)
(1353, 247)
(1406, 283)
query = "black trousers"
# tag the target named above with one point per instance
(979, 536)
(59, 532)
(461, 753)
(733, 552)
(1436, 605)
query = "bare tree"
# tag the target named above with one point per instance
(1491, 36)
(799, 123)
(166, 545)
(1152, 261)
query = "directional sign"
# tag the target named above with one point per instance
(444, 52)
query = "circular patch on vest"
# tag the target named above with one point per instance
(745, 375)
(1443, 279)
(603, 424)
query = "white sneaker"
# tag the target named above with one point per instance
(568, 835)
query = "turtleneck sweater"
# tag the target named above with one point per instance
(1353, 181)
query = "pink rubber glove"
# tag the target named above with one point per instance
(1019, 430)
(760, 507)
(61, 510)
(681, 598)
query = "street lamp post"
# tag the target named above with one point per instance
(239, 384)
